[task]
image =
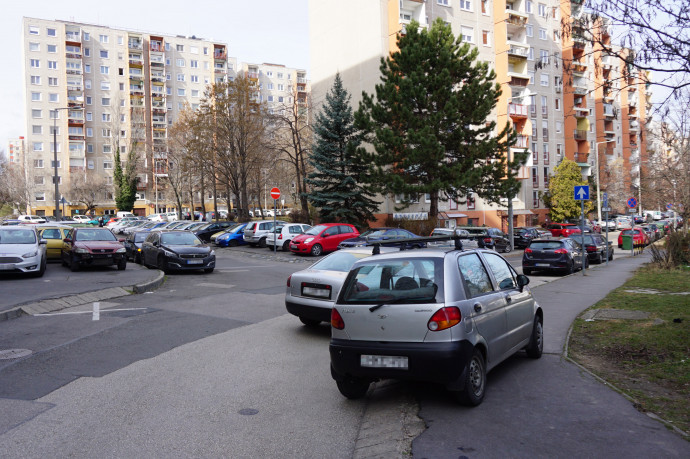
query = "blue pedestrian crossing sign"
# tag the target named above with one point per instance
(605, 199)
(582, 193)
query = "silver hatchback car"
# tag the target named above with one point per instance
(436, 315)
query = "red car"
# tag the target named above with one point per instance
(563, 229)
(639, 237)
(92, 247)
(322, 238)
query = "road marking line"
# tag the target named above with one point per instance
(86, 312)
(208, 284)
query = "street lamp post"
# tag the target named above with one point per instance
(596, 158)
(58, 215)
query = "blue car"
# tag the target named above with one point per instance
(233, 237)
(388, 237)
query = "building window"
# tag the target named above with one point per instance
(180, 48)
(485, 38)
(105, 85)
(544, 79)
(52, 81)
(104, 54)
(470, 201)
(180, 77)
(545, 130)
(466, 5)
(467, 34)
(38, 146)
(37, 129)
(35, 96)
(270, 98)
(194, 78)
(529, 30)
(87, 52)
(535, 153)
(105, 132)
(559, 150)
(89, 132)
(542, 10)
(103, 38)
(52, 65)
(87, 36)
(36, 113)
(530, 54)
(180, 91)
(52, 49)
(107, 165)
(89, 116)
(87, 68)
(34, 47)
(535, 199)
(542, 34)
(544, 56)
(546, 154)
(52, 164)
(528, 6)
(35, 63)
(195, 93)
(443, 2)
(194, 64)
(105, 70)
(105, 101)
(180, 62)
(544, 106)
(559, 127)
(535, 177)
(557, 104)
(485, 8)
(38, 163)
(33, 30)
(53, 97)
(89, 149)
(38, 180)
(40, 196)
(107, 148)
(531, 76)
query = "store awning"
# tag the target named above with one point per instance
(504, 213)
(447, 215)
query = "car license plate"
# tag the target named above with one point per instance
(317, 292)
(383, 361)
(195, 262)
(293, 246)
(6, 267)
(542, 265)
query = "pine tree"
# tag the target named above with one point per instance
(125, 181)
(429, 125)
(335, 184)
(561, 195)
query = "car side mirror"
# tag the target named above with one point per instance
(42, 242)
(67, 239)
(522, 280)
(120, 239)
(325, 235)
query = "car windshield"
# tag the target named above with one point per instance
(546, 245)
(400, 280)
(519, 231)
(339, 261)
(181, 238)
(18, 236)
(94, 235)
(140, 236)
(315, 231)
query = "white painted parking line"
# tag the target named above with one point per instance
(234, 270)
(208, 284)
(86, 312)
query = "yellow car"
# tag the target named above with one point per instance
(54, 234)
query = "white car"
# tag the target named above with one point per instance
(162, 217)
(22, 251)
(172, 216)
(31, 219)
(81, 218)
(285, 234)
(610, 223)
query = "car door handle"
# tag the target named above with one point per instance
(509, 298)
(477, 307)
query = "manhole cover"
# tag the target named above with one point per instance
(248, 411)
(8, 354)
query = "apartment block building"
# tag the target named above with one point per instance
(550, 80)
(90, 90)
(16, 150)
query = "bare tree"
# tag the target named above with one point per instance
(614, 182)
(291, 138)
(85, 189)
(14, 189)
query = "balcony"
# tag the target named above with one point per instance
(517, 49)
(76, 137)
(516, 18)
(517, 110)
(518, 79)
(581, 112)
(77, 168)
(581, 157)
(609, 111)
(74, 37)
(580, 135)
(220, 55)
(580, 86)
(522, 142)
(221, 71)
(73, 55)
(75, 88)
(253, 75)
(579, 41)
(632, 102)
(559, 88)
(579, 67)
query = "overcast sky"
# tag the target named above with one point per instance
(274, 31)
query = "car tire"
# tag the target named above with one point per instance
(208, 270)
(262, 242)
(42, 269)
(526, 271)
(63, 261)
(536, 341)
(353, 388)
(571, 267)
(122, 265)
(286, 246)
(474, 389)
(316, 250)
(161, 264)
(611, 255)
(600, 258)
(233, 243)
(508, 249)
(137, 259)
(74, 264)
(309, 322)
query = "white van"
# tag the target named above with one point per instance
(121, 214)
(31, 219)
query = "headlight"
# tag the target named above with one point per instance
(308, 240)
(80, 250)
(122, 250)
(169, 254)
(212, 254)
(30, 254)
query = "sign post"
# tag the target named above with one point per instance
(606, 210)
(275, 194)
(632, 203)
(582, 194)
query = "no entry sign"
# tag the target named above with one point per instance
(275, 192)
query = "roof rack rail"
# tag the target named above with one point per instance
(405, 241)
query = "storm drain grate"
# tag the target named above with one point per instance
(8, 354)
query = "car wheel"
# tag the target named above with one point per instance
(42, 270)
(137, 258)
(353, 388)
(600, 258)
(526, 271)
(536, 341)
(310, 322)
(74, 264)
(262, 242)
(475, 381)
(208, 270)
(161, 264)
(122, 265)
(316, 250)
(286, 246)
(611, 255)
(508, 249)
(63, 261)
(571, 267)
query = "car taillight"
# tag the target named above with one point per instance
(280, 236)
(444, 318)
(336, 320)
(289, 279)
(562, 251)
(591, 248)
(528, 250)
(487, 240)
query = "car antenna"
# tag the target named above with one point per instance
(458, 243)
(377, 249)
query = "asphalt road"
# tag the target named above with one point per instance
(211, 365)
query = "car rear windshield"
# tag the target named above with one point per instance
(94, 235)
(546, 245)
(339, 261)
(18, 236)
(400, 280)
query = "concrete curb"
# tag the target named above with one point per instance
(57, 304)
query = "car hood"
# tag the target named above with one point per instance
(16, 249)
(98, 245)
(302, 237)
(187, 249)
